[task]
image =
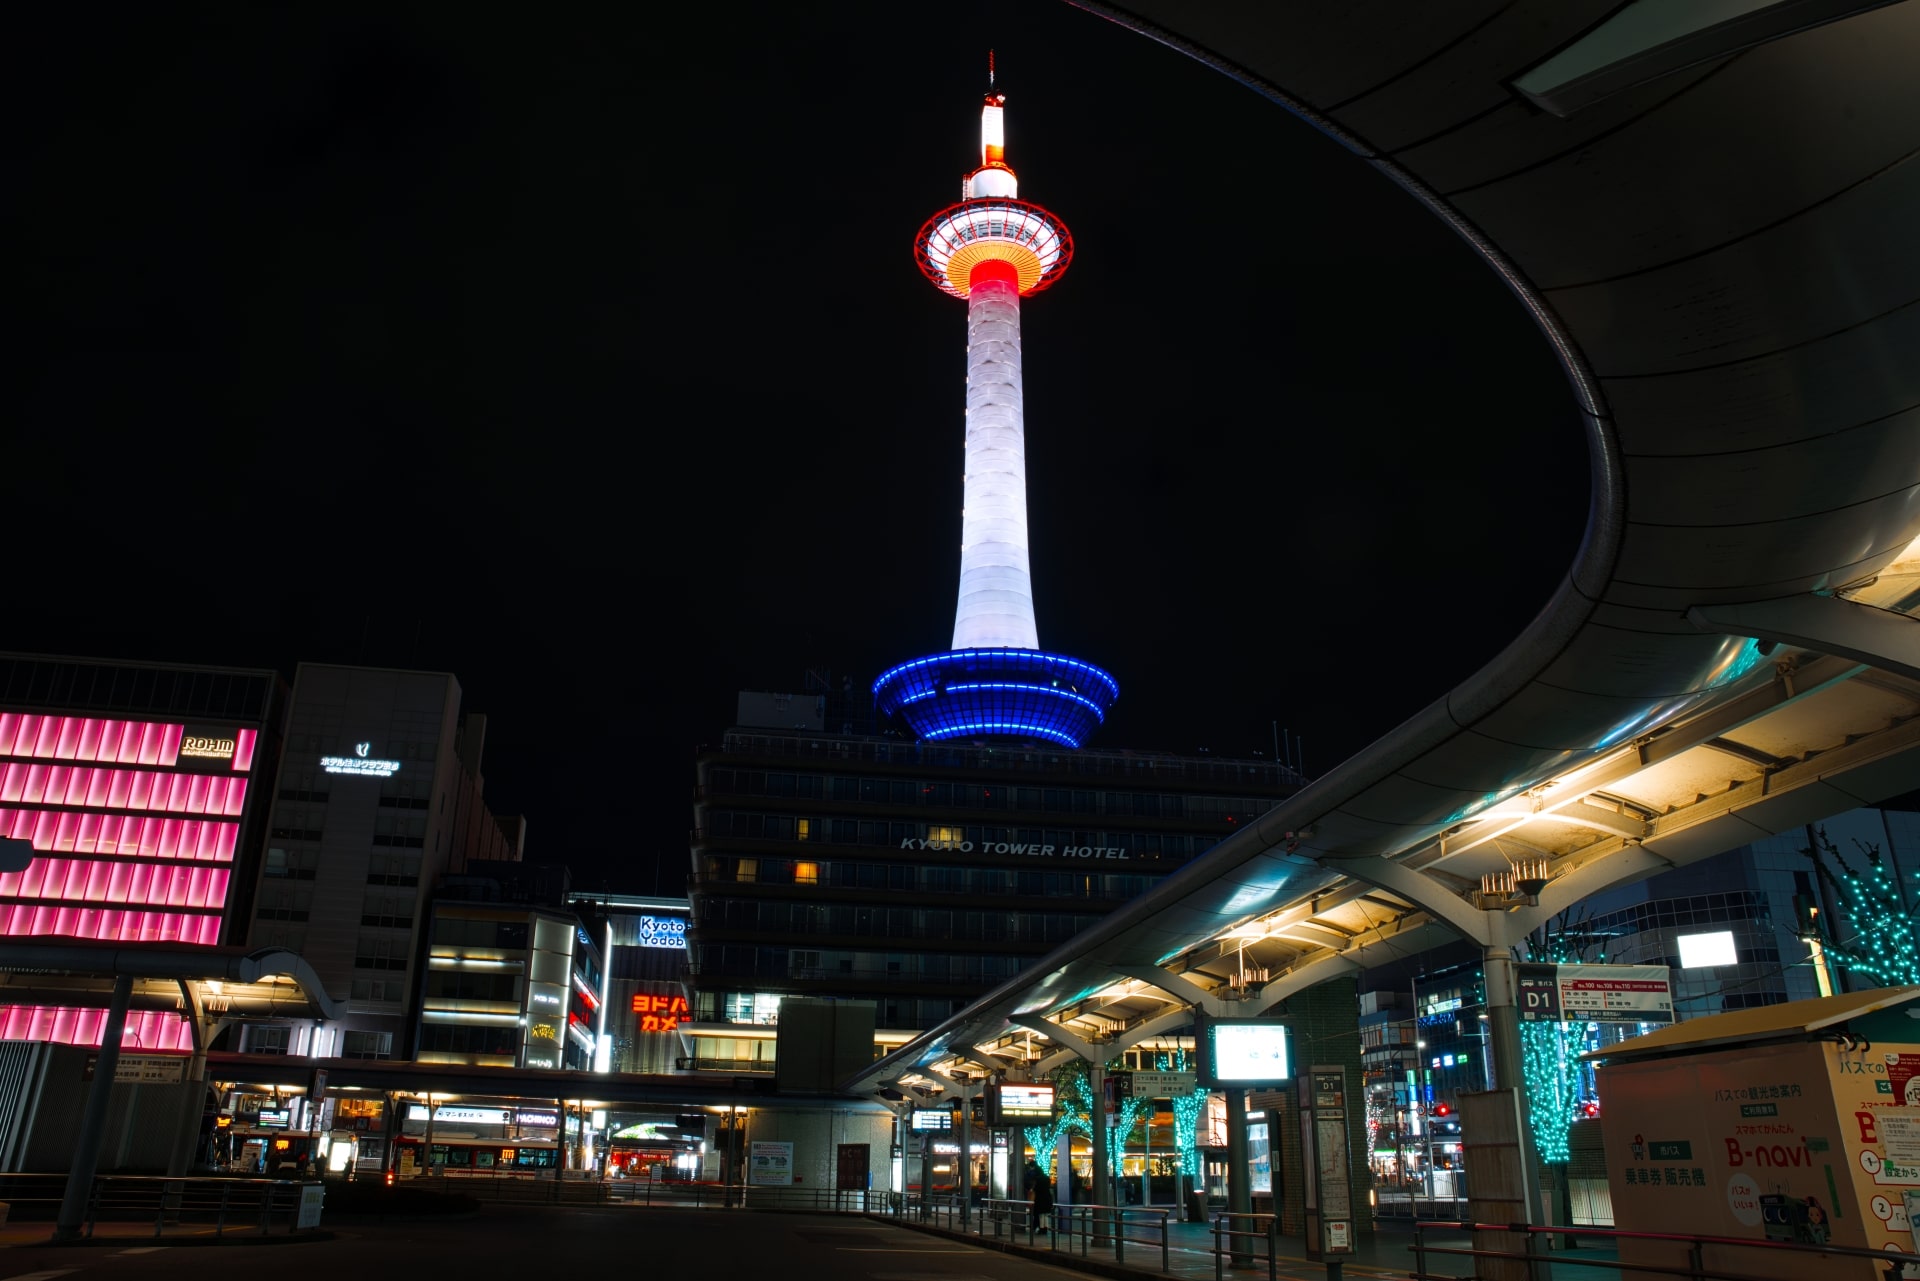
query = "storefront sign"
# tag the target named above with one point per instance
(360, 763)
(207, 747)
(448, 1114)
(661, 1013)
(1006, 847)
(663, 931)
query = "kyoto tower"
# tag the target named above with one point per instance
(993, 249)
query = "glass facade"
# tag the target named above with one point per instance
(138, 787)
(921, 875)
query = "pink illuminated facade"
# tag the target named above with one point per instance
(139, 797)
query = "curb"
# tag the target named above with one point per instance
(1059, 1258)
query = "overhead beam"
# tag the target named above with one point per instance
(1419, 890)
(1176, 985)
(1828, 624)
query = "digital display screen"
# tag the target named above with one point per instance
(932, 1119)
(272, 1119)
(1245, 1052)
(1026, 1100)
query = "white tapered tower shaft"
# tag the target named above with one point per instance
(996, 582)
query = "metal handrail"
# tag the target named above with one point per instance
(1223, 1222)
(1696, 1268)
(227, 1204)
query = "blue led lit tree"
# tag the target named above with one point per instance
(1550, 1052)
(1073, 1101)
(1884, 946)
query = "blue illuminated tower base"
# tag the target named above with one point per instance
(998, 693)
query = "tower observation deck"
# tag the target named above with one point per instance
(993, 249)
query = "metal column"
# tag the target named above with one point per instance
(1503, 1030)
(93, 1120)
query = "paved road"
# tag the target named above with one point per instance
(539, 1242)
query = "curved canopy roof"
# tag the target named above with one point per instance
(1715, 230)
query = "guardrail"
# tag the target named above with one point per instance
(1531, 1250)
(1239, 1232)
(174, 1206)
(581, 1189)
(1065, 1227)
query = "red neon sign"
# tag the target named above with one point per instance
(661, 1013)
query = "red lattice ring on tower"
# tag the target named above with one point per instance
(953, 241)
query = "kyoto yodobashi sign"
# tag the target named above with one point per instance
(1594, 993)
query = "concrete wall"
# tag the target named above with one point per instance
(816, 1135)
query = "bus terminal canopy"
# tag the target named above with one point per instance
(229, 982)
(1734, 652)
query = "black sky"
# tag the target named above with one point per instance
(581, 353)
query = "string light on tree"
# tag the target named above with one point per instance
(1885, 946)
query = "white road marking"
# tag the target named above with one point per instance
(884, 1249)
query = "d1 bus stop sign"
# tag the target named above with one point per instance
(1594, 993)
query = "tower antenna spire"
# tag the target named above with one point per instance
(989, 68)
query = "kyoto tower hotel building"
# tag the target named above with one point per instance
(993, 249)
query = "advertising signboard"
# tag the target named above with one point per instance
(851, 1167)
(1798, 1142)
(1242, 1052)
(769, 1164)
(1019, 1101)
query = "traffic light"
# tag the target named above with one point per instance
(1443, 1109)
(1590, 1108)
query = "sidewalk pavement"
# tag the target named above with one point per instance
(1384, 1253)
(15, 1233)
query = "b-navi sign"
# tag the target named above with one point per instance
(1014, 847)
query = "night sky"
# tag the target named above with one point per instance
(583, 355)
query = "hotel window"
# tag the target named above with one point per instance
(284, 903)
(292, 864)
(267, 1039)
(806, 873)
(804, 830)
(381, 954)
(367, 1045)
(940, 834)
(388, 911)
(387, 868)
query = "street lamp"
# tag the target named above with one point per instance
(1426, 1115)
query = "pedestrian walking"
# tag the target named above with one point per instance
(1040, 1197)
